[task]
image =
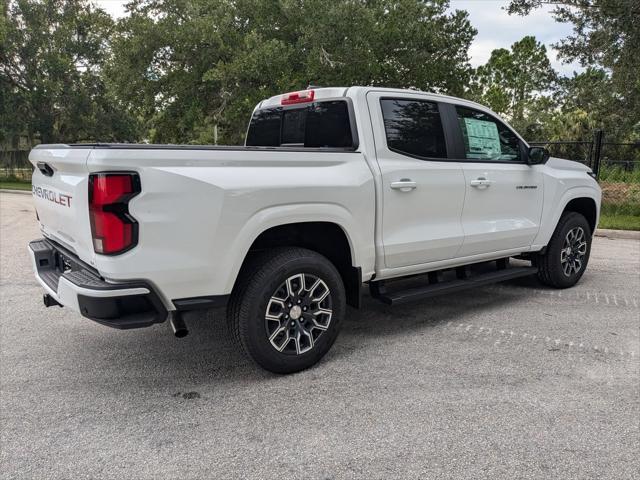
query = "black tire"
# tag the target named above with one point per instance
(551, 270)
(259, 282)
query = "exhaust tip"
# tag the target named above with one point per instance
(177, 324)
(181, 333)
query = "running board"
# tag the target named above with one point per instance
(434, 288)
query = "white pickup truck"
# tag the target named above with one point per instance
(335, 188)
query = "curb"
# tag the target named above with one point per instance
(19, 192)
(622, 234)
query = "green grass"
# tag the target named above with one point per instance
(15, 185)
(13, 182)
(619, 222)
(623, 216)
(612, 173)
(627, 208)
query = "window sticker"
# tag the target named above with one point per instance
(483, 138)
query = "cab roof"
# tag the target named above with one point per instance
(320, 93)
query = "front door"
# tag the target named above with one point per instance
(504, 195)
(422, 191)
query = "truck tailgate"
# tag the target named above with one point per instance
(60, 193)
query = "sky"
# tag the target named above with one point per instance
(496, 29)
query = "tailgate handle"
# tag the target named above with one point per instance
(45, 169)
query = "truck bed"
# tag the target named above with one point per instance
(201, 207)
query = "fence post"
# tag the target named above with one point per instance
(597, 152)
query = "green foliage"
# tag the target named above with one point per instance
(606, 33)
(513, 80)
(581, 104)
(189, 67)
(51, 57)
(621, 206)
(612, 173)
(191, 71)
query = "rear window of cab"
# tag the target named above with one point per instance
(317, 125)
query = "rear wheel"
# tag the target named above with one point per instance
(567, 254)
(287, 308)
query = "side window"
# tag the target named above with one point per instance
(328, 125)
(414, 128)
(486, 138)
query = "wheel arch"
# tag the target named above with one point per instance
(581, 199)
(327, 238)
(587, 207)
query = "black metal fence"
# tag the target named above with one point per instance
(597, 153)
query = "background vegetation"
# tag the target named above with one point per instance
(181, 71)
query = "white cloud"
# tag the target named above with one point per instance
(497, 29)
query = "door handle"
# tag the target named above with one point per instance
(481, 182)
(404, 185)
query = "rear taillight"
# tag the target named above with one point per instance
(113, 228)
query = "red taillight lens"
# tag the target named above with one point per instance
(113, 229)
(297, 97)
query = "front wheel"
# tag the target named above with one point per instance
(567, 254)
(287, 309)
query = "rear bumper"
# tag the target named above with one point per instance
(75, 285)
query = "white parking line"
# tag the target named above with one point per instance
(501, 338)
(610, 299)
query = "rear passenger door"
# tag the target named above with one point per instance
(422, 191)
(504, 195)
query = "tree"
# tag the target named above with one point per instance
(51, 57)
(606, 34)
(512, 81)
(192, 67)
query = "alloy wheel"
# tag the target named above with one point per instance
(573, 251)
(298, 313)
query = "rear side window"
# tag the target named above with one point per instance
(321, 124)
(414, 128)
(486, 138)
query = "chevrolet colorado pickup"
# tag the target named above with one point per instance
(334, 188)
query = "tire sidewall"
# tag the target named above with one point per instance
(255, 337)
(575, 220)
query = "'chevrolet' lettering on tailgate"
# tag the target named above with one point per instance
(55, 197)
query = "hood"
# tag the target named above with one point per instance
(562, 164)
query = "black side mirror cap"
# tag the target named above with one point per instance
(537, 155)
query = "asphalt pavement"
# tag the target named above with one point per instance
(507, 381)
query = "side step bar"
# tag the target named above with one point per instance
(378, 289)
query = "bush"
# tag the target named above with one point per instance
(616, 173)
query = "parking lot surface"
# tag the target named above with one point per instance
(507, 381)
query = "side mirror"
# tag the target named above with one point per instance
(537, 155)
